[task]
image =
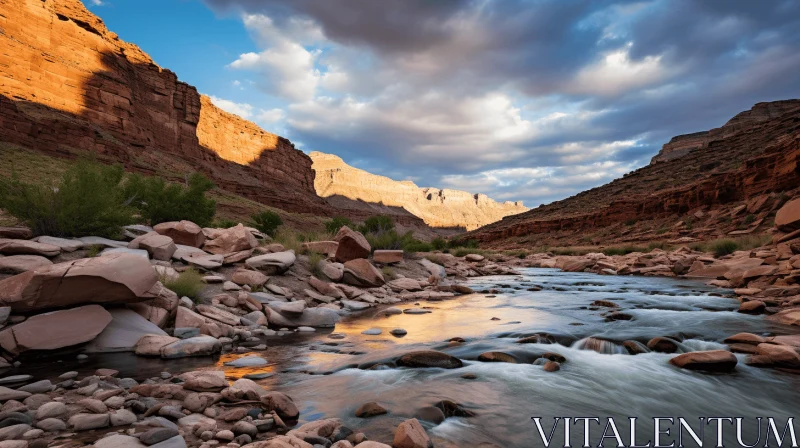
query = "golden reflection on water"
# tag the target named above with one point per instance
(467, 317)
(239, 372)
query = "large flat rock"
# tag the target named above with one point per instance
(56, 329)
(123, 332)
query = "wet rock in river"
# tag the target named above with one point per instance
(712, 361)
(635, 347)
(430, 414)
(429, 358)
(497, 357)
(663, 345)
(370, 409)
(282, 404)
(411, 434)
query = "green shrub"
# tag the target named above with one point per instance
(623, 250)
(464, 251)
(469, 244)
(94, 250)
(333, 225)
(189, 284)
(160, 201)
(439, 243)
(390, 240)
(724, 247)
(377, 224)
(314, 264)
(87, 200)
(267, 222)
(388, 273)
(224, 223)
(749, 219)
(418, 246)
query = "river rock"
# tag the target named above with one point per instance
(204, 380)
(27, 247)
(387, 256)
(407, 284)
(247, 277)
(53, 409)
(123, 333)
(218, 314)
(16, 233)
(248, 361)
(14, 431)
(497, 357)
(85, 422)
(39, 387)
(773, 355)
(118, 278)
(325, 288)
(353, 305)
(429, 358)
(11, 394)
(712, 361)
(663, 345)
(186, 318)
(790, 316)
(370, 409)
(16, 264)
(272, 264)
(56, 329)
(282, 404)
(333, 271)
(159, 247)
(196, 346)
(182, 232)
(437, 271)
(352, 245)
(411, 434)
(234, 239)
(360, 272)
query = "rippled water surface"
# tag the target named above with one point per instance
(322, 374)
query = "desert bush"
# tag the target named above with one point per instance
(418, 246)
(439, 243)
(623, 250)
(160, 201)
(224, 223)
(333, 225)
(724, 247)
(315, 264)
(388, 273)
(267, 222)
(377, 224)
(94, 250)
(464, 251)
(189, 284)
(87, 200)
(391, 240)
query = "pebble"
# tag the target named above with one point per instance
(82, 357)
(15, 379)
(398, 332)
(68, 375)
(248, 361)
(372, 331)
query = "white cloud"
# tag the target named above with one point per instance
(270, 116)
(616, 73)
(97, 2)
(243, 110)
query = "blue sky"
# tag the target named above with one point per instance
(531, 100)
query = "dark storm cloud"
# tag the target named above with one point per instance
(461, 92)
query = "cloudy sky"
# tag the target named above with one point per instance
(528, 100)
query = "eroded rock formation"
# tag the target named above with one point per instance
(69, 86)
(737, 175)
(438, 208)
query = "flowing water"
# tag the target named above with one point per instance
(321, 372)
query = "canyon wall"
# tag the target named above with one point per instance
(69, 86)
(438, 208)
(748, 162)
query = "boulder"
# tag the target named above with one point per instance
(56, 329)
(352, 245)
(411, 434)
(282, 404)
(429, 358)
(474, 257)
(773, 355)
(311, 317)
(247, 277)
(64, 244)
(27, 247)
(196, 346)
(407, 284)
(204, 260)
(322, 247)
(790, 316)
(272, 264)
(360, 272)
(85, 422)
(16, 264)
(186, 318)
(204, 380)
(124, 250)
(158, 316)
(436, 270)
(752, 307)
(325, 288)
(333, 271)
(186, 233)
(16, 233)
(387, 256)
(123, 332)
(151, 344)
(89, 241)
(712, 361)
(118, 278)
(234, 239)
(218, 314)
(159, 247)
(788, 217)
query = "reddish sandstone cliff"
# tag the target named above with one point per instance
(68, 85)
(729, 184)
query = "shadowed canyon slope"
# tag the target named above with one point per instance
(68, 85)
(723, 182)
(438, 208)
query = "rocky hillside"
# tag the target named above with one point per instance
(349, 187)
(725, 182)
(68, 85)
